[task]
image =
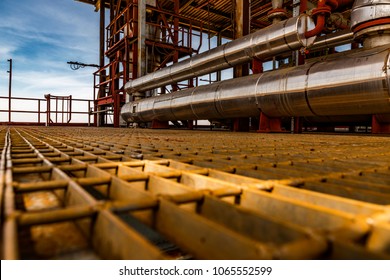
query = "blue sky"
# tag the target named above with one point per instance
(41, 36)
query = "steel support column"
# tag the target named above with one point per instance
(219, 43)
(141, 65)
(176, 9)
(378, 127)
(101, 37)
(101, 92)
(266, 124)
(296, 122)
(134, 68)
(160, 124)
(241, 28)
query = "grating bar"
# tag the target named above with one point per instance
(170, 194)
(40, 186)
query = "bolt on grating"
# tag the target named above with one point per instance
(98, 193)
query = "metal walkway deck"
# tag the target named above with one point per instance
(103, 193)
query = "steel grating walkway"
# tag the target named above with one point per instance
(103, 193)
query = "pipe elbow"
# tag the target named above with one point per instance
(324, 8)
(318, 28)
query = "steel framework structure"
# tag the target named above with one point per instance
(141, 37)
(144, 36)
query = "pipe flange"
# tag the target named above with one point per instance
(365, 11)
(277, 13)
(368, 25)
(326, 10)
(372, 29)
(375, 35)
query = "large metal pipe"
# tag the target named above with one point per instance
(264, 44)
(332, 40)
(351, 83)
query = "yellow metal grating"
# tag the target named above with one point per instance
(103, 193)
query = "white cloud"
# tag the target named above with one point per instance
(41, 36)
(36, 84)
(6, 51)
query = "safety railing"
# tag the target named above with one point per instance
(53, 110)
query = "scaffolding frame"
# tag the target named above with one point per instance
(131, 44)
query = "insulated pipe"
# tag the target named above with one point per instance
(277, 4)
(347, 84)
(264, 44)
(332, 40)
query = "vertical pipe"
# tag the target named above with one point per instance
(134, 17)
(9, 89)
(101, 91)
(303, 6)
(176, 9)
(115, 74)
(241, 28)
(101, 36)
(219, 43)
(277, 13)
(126, 61)
(296, 122)
(141, 63)
(298, 6)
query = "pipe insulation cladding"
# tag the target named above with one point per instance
(345, 84)
(275, 39)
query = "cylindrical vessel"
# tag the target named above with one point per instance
(347, 84)
(364, 11)
(370, 22)
(264, 44)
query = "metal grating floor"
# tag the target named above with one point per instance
(103, 193)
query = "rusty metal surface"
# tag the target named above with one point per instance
(100, 193)
(218, 15)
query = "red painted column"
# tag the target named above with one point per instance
(378, 127)
(241, 124)
(297, 125)
(160, 124)
(190, 125)
(266, 124)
